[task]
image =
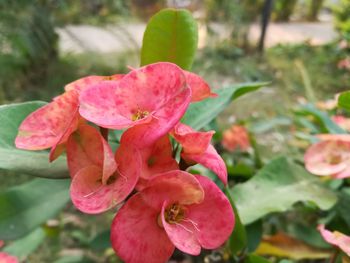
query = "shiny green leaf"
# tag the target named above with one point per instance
(27, 206)
(171, 35)
(276, 187)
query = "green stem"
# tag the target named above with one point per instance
(334, 256)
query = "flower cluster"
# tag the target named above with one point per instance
(166, 206)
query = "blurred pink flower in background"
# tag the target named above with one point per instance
(235, 138)
(342, 121)
(6, 258)
(336, 238)
(329, 158)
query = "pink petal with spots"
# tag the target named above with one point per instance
(183, 234)
(136, 236)
(87, 147)
(102, 105)
(90, 195)
(336, 238)
(328, 157)
(83, 83)
(147, 134)
(210, 159)
(200, 89)
(6, 258)
(214, 230)
(174, 186)
(192, 141)
(49, 125)
(157, 91)
(158, 158)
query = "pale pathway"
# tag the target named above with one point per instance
(119, 38)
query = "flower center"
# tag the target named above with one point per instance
(335, 159)
(174, 213)
(140, 114)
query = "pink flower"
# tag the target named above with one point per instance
(344, 63)
(100, 181)
(197, 149)
(6, 258)
(343, 122)
(336, 239)
(329, 158)
(172, 212)
(151, 100)
(156, 159)
(51, 125)
(236, 138)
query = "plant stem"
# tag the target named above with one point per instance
(334, 256)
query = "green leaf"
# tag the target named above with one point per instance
(276, 187)
(30, 162)
(27, 245)
(171, 35)
(327, 124)
(25, 207)
(252, 258)
(238, 238)
(202, 113)
(344, 100)
(254, 234)
(101, 241)
(343, 206)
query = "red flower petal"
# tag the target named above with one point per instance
(6, 258)
(183, 235)
(83, 83)
(336, 238)
(154, 92)
(192, 141)
(91, 195)
(49, 125)
(210, 159)
(212, 231)
(200, 89)
(158, 158)
(136, 236)
(174, 186)
(87, 147)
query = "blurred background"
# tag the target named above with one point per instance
(305, 53)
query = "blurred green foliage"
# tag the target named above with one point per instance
(342, 18)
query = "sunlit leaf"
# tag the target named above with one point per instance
(30, 162)
(276, 187)
(25, 207)
(171, 35)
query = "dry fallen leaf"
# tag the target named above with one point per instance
(282, 245)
